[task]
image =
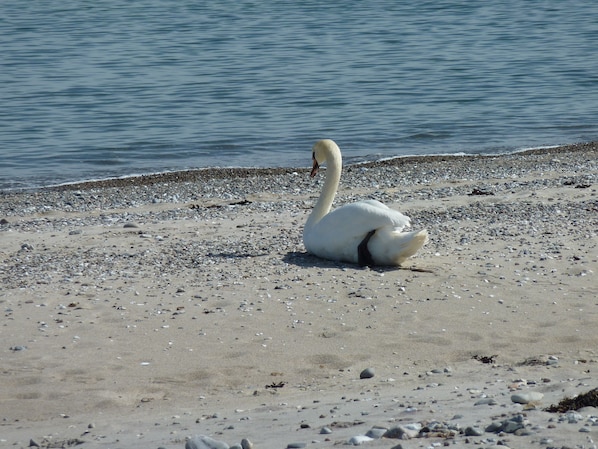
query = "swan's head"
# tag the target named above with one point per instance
(322, 151)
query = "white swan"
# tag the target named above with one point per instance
(366, 232)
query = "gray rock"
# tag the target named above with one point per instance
(401, 433)
(473, 432)
(18, 348)
(296, 445)
(204, 442)
(526, 398)
(358, 440)
(325, 430)
(511, 425)
(367, 373)
(376, 432)
(246, 444)
(486, 401)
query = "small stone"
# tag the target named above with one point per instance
(204, 442)
(246, 444)
(526, 398)
(376, 432)
(296, 445)
(33, 443)
(486, 401)
(18, 348)
(131, 225)
(325, 431)
(367, 373)
(473, 432)
(359, 439)
(403, 432)
(494, 427)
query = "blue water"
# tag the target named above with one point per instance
(93, 89)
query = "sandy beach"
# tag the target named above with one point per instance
(141, 312)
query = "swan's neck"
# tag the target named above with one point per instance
(334, 165)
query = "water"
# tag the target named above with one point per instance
(97, 89)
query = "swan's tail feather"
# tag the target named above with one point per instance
(415, 240)
(390, 247)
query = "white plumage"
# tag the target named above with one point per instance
(366, 232)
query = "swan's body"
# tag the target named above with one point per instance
(366, 232)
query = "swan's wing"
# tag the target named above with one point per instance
(368, 215)
(337, 234)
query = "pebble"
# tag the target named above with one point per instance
(367, 373)
(486, 401)
(510, 425)
(403, 432)
(376, 432)
(205, 442)
(473, 432)
(359, 439)
(526, 398)
(18, 348)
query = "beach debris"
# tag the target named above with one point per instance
(47, 443)
(276, 385)
(485, 358)
(480, 191)
(588, 399)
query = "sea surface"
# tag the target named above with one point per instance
(97, 89)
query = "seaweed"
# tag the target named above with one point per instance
(589, 399)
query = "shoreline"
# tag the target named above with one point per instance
(205, 173)
(142, 313)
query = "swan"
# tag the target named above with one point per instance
(366, 232)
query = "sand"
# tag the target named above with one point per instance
(142, 311)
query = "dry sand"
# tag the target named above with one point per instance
(139, 312)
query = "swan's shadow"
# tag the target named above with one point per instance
(306, 260)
